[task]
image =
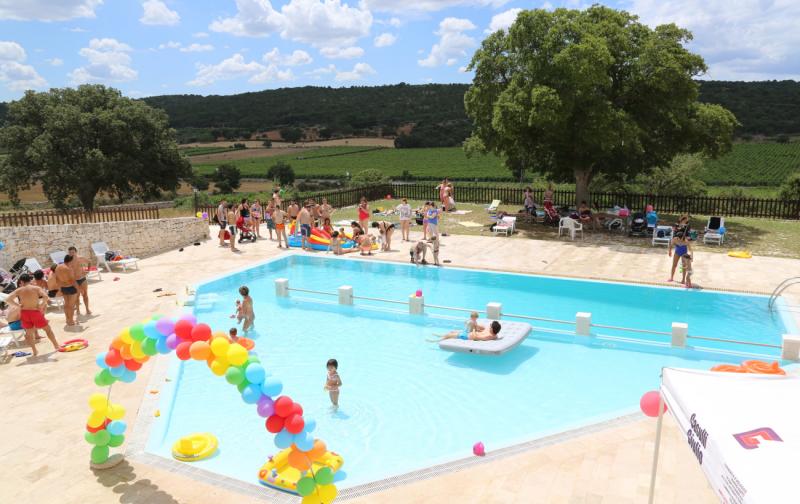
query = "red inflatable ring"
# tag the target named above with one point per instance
(761, 367)
(247, 343)
(73, 345)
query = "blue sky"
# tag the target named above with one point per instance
(151, 47)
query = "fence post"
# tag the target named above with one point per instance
(346, 295)
(679, 333)
(583, 324)
(416, 304)
(282, 287)
(791, 347)
(494, 311)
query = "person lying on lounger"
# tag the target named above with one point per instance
(487, 334)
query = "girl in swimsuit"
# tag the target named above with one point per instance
(682, 246)
(333, 382)
(363, 213)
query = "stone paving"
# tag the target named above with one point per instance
(43, 457)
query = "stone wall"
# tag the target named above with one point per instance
(131, 238)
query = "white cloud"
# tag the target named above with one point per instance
(236, 67)
(156, 12)
(503, 20)
(297, 58)
(319, 72)
(47, 10)
(55, 61)
(108, 62)
(426, 5)
(742, 40)
(271, 73)
(255, 18)
(359, 72)
(78, 29)
(395, 22)
(385, 40)
(16, 75)
(197, 48)
(453, 43)
(200, 35)
(463, 69)
(342, 52)
(170, 45)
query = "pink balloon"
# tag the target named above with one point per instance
(478, 449)
(419, 293)
(649, 403)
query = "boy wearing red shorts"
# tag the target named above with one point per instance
(32, 301)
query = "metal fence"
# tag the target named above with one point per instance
(75, 216)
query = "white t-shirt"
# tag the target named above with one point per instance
(405, 211)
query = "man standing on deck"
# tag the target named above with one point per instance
(69, 288)
(77, 264)
(304, 221)
(32, 301)
(222, 220)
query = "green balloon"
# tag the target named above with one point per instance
(102, 437)
(305, 486)
(156, 316)
(149, 346)
(251, 359)
(137, 332)
(243, 385)
(104, 378)
(324, 476)
(116, 440)
(99, 454)
(234, 375)
(89, 437)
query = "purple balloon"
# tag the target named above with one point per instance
(266, 407)
(190, 318)
(165, 326)
(172, 341)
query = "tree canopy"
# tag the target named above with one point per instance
(577, 93)
(79, 142)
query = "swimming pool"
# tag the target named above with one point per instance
(407, 405)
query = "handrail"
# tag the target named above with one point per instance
(380, 299)
(779, 289)
(723, 340)
(645, 331)
(313, 291)
(453, 308)
(527, 317)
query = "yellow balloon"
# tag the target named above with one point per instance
(199, 214)
(219, 334)
(219, 347)
(136, 350)
(237, 354)
(115, 412)
(218, 367)
(98, 402)
(96, 419)
(327, 493)
(125, 336)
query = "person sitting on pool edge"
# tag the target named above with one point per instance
(487, 334)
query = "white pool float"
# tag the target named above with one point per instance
(511, 335)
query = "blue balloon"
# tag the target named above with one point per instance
(311, 424)
(128, 376)
(251, 393)
(161, 345)
(272, 387)
(116, 427)
(722, 230)
(101, 360)
(118, 371)
(339, 476)
(150, 330)
(283, 439)
(2, 245)
(304, 441)
(255, 373)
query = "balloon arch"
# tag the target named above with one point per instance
(189, 340)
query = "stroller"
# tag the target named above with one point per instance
(638, 225)
(245, 233)
(551, 216)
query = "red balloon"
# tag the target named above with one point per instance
(274, 424)
(183, 329)
(99, 428)
(201, 332)
(297, 409)
(113, 358)
(183, 351)
(649, 403)
(283, 406)
(295, 423)
(133, 365)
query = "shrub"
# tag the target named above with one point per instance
(680, 178)
(227, 178)
(369, 177)
(199, 182)
(790, 190)
(291, 135)
(239, 146)
(282, 173)
(782, 139)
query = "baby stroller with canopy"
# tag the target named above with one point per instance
(245, 233)
(551, 215)
(638, 225)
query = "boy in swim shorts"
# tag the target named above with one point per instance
(472, 324)
(32, 301)
(246, 314)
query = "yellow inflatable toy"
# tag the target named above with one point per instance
(194, 447)
(741, 254)
(277, 473)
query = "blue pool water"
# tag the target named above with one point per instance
(407, 405)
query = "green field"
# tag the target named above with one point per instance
(749, 164)
(199, 151)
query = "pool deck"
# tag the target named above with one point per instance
(43, 457)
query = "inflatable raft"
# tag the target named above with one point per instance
(277, 473)
(194, 447)
(320, 240)
(510, 336)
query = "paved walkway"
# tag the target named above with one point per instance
(43, 457)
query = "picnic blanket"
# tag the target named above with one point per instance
(470, 224)
(460, 212)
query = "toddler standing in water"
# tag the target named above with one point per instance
(333, 382)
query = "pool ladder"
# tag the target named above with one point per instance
(780, 288)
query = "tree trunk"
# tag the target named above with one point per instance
(582, 180)
(87, 194)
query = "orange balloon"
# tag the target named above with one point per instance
(299, 460)
(125, 352)
(117, 343)
(199, 350)
(318, 450)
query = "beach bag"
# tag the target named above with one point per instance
(110, 255)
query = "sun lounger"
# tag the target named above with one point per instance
(58, 257)
(32, 264)
(5, 341)
(100, 249)
(492, 208)
(715, 231)
(14, 335)
(506, 225)
(662, 235)
(511, 335)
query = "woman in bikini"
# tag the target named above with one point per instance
(680, 242)
(363, 214)
(386, 230)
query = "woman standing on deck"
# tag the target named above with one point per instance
(363, 213)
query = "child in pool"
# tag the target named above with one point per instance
(472, 324)
(333, 382)
(246, 314)
(336, 243)
(232, 334)
(238, 314)
(326, 226)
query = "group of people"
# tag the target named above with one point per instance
(26, 307)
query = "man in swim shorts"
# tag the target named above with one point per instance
(77, 264)
(232, 215)
(32, 301)
(304, 221)
(69, 288)
(487, 334)
(222, 220)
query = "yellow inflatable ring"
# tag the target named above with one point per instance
(741, 254)
(277, 473)
(194, 447)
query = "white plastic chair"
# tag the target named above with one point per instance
(571, 226)
(662, 235)
(11, 336)
(100, 249)
(712, 232)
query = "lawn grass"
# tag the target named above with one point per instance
(199, 151)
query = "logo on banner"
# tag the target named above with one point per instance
(697, 438)
(749, 440)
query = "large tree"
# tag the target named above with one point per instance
(576, 93)
(80, 142)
